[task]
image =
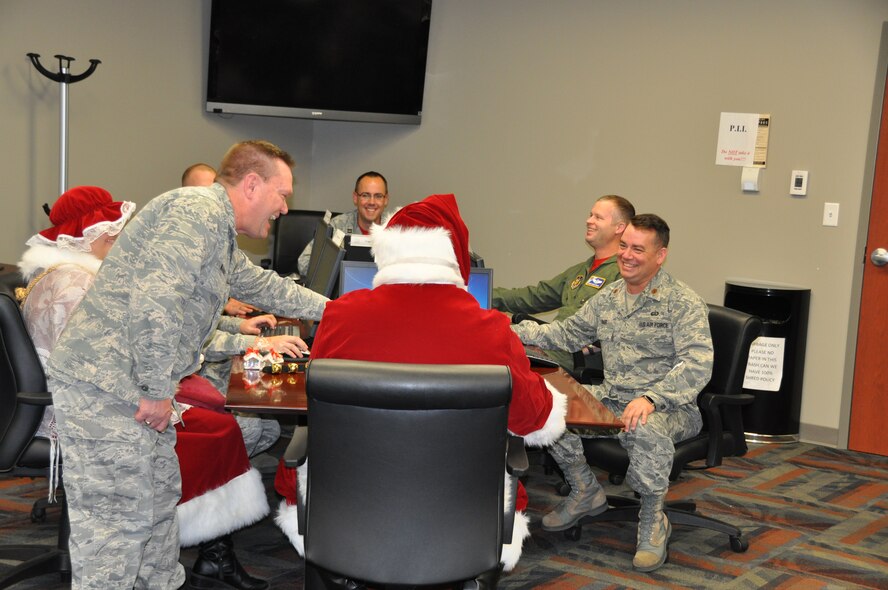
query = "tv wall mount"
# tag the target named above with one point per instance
(64, 77)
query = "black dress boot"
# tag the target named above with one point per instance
(217, 567)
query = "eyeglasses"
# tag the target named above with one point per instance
(372, 197)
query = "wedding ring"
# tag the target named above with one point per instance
(148, 422)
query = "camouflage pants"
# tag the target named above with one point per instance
(650, 447)
(218, 373)
(122, 483)
(259, 433)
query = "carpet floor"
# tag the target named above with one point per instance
(814, 517)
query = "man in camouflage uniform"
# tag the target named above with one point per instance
(568, 291)
(657, 351)
(370, 198)
(138, 331)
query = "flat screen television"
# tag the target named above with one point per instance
(346, 60)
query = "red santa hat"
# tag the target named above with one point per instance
(424, 242)
(80, 216)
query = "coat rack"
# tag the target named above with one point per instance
(64, 78)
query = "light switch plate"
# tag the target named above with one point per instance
(798, 184)
(831, 214)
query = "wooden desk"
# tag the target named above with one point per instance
(583, 409)
(285, 394)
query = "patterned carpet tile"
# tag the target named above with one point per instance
(845, 566)
(815, 518)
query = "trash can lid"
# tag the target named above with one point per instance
(759, 284)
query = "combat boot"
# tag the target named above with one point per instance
(586, 498)
(217, 567)
(654, 530)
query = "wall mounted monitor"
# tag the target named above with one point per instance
(347, 60)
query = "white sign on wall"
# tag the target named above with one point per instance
(764, 370)
(743, 140)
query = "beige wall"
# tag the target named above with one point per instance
(532, 109)
(134, 125)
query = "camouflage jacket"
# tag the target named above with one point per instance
(661, 347)
(227, 341)
(159, 294)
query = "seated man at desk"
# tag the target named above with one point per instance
(370, 198)
(423, 260)
(568, 291)
(657, 350)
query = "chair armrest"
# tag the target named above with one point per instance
(516, 457)
(519, 317)
(516, 466)
(588, 375)
(295, 454)
(35, 398)
(736, 399)
(710, 404)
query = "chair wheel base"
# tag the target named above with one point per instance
(739, 544)
(38, 514)
(574, 533)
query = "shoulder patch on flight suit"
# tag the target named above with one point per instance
(595, 281)
(576, 282)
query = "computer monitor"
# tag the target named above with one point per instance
(481, 285)
(355, 275)
(357, 247)
(325, 276)
(322, 230)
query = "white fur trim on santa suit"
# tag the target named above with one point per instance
(288, 517)
(40, 257)
(288, 520)
(232, 506)
(417, 255)
(512, 551)
(554, 426)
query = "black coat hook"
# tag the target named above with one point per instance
(64, 74)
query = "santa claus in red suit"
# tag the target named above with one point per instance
(420, 311)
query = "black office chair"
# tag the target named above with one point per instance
(722, 435)
(292, 232)
(406, 472)
(23, 397)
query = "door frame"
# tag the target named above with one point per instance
(860, 246)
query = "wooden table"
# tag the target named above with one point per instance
(284, 393)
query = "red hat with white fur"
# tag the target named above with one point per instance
(424, 242)
(81, 215)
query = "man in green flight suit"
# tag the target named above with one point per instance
(568, 291)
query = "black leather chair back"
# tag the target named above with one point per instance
(292, 232)
(406, 469)
(20, 371)
(732, 334)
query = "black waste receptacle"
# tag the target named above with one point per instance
(783, 309)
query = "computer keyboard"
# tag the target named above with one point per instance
(280, 330)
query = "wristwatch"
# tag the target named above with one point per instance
(650, 401)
